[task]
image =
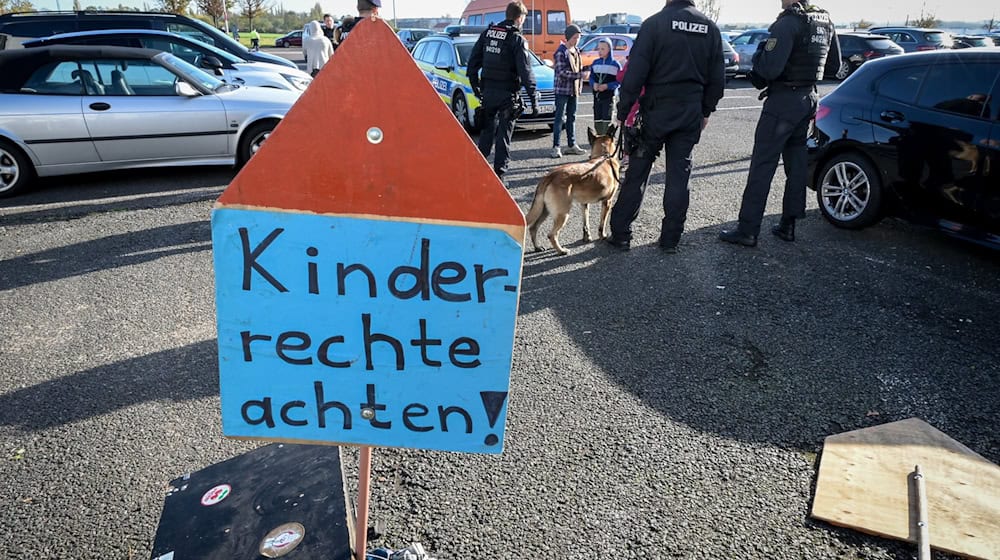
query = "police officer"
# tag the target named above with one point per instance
(366, 9)
(801, 48)
(329, 28)
(501, 54)
(681, 93)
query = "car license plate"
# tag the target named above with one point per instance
(546, 108)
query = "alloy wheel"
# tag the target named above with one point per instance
(846, 191)
(10, 172)
(258, 141)
(461, 110)
(844, 71)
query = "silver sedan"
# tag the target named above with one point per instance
(76, 109)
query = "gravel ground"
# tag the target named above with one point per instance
(662, 406)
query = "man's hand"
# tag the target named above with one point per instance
(478, 92)
(704, 123)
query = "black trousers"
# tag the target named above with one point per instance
(781, 133)
(498, 127)
(675, 125)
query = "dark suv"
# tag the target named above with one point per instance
(914, 39)
(15, 28)
(857, 48)
(916, 136)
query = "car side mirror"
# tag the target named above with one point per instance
(445, 67)
(212, 63)
(185, 89)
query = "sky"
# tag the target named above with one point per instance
(733, 11)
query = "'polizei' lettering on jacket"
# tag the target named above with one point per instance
(498, 34)
(690, 27)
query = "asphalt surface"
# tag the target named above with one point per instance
(662, 406)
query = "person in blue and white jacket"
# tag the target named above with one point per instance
(604, 84)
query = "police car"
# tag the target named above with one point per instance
(444, 57)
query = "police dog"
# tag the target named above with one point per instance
(595, 180)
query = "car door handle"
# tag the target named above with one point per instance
(892, 116)
(100, 106)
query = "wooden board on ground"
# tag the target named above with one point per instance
(864, 484)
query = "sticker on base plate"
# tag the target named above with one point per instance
(282, 540)
(216, 495)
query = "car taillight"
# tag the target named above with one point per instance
(736, 57)
(822, 111)
(926, 48)
(869, 54)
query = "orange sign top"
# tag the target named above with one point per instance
(371, 137)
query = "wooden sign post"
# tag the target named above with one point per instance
(368, 264)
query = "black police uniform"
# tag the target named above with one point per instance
(802, 47)
(678, 58)
(328, 32)
(501, 54)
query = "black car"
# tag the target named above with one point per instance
(915, 39)
(858, 48)
(970, 41)
(916, 136)
(17, 27)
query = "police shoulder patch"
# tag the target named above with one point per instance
(771, 43)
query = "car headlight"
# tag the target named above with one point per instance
(297, 82)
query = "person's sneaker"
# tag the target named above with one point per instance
(556, 152)
(576, 150)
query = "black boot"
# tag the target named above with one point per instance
(785, 229)
(737, 237)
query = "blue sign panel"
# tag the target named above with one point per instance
(363, 331)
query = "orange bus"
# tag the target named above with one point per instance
(544, 28)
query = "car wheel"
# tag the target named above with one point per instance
(253, 139)
(846, 69)
(16, 171)
(460, 108)
(850, 191)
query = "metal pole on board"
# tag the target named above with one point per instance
(364, 491)
(923, 530)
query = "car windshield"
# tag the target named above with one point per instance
(190, 73)
(880, 44)
(977, 41)
(418, 35)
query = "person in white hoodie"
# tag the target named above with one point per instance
(316, 48)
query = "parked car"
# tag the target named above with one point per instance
(293, 39)
(969, 41)
(745, 45)
(618, 29)
(16, 28)
(915, 136)
(914, 39)
(856, 48)
(444, 59)
(224, 65)
(621, 46)
(409, 37)
(69, 109)
(732, 60)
